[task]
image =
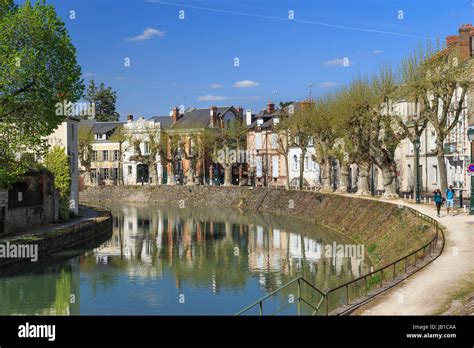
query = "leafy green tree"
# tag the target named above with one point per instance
(57, 163)
(38, 69)
(104, 99)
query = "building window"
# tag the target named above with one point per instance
(105, 155)
(129, 170)
(105, 174)
(93, 174)
(295, 163)
(115, 173)
(310, 141)
(94, 155)
(275, 166)
(306, 163)
(116, 155)
(146, 147)
(259, 166)
(72, 131)
(274, 141)
(435, 175)
(258, 141)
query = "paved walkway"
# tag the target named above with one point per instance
(84, 215)
(430, 289)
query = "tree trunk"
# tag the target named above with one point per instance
(443, 176)
(344, 182)
(190, 177)
(157, 175)
(326, 175)
(389, 183)
(301, 170)
(287, 179)
(228, 175)
(363, 183)
(171, 181)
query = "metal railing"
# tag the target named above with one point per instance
(299, 299)
(371, 280)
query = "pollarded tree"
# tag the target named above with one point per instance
(283, 131)
(38, 69)
(413, 87)
(125, 142)
(449, 76)
(300, 130)
(355, 127)
(387, 132)
(324, 131)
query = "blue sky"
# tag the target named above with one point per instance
(191, 60)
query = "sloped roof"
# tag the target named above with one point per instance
(105, 127)
(99, 127)
(198, 118)
(165, 121)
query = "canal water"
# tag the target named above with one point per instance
(185, 261)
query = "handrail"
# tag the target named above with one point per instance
(268, 295)
(325, 295)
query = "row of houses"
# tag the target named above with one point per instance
(118, 162)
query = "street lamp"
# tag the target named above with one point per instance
(470, 136)
(417, 169)
(372, 179)
(334, 168)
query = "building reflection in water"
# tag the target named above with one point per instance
(223, 248)
(158, 252)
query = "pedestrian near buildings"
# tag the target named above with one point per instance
(450, 199)
(438, 199)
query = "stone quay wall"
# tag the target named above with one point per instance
(387, 231)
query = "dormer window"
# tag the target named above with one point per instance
(100, 137)
(259, 122)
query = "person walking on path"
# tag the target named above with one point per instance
(438, 199)
(450, 198)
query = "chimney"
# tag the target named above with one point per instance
(450, 40)
(465, 39)
(213, 116)
(240, 112)
(129, 118)
(175, 115)
(270, 107)
(305, 105)
(248, 117)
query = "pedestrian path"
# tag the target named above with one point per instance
(85, 214)
(430, 289)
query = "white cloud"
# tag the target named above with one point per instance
(245, 84)
(377, 51)
(215, 85)
(337, 61)
(209, 97)
(89, 74)
(328, 84)
(148, 33)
